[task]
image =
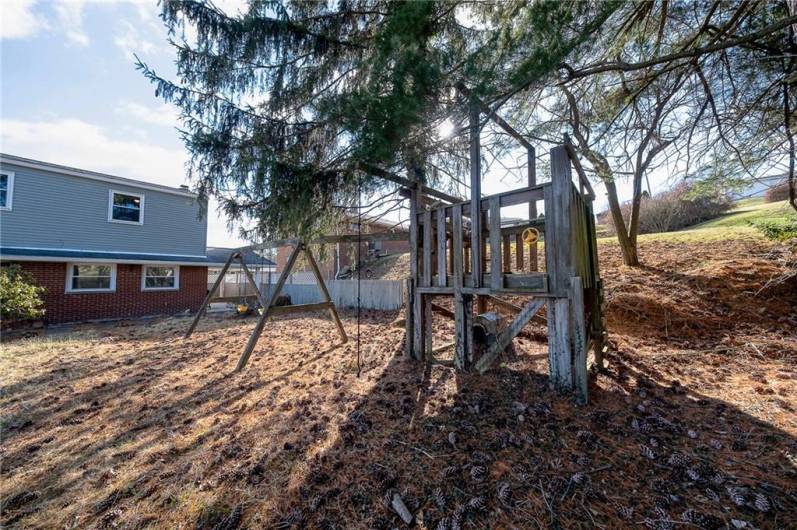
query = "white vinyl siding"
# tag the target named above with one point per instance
(160, 277)
(125, 207)
(90, 277)
(6, 189)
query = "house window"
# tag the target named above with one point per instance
(91, 277)
(160, 277)
(125, 207)
(6, 189)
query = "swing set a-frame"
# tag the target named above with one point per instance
(268, 305)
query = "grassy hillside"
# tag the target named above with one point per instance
(746, 220)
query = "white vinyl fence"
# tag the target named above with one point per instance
(386, 295)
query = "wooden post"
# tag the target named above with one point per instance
(496, 268)
(322, 286)
(210, 294)
(460, 303)
(560, 268)
(427, 248)
(475, 195)
(408, 315)
(415, 302)
(579, 335)
(250, 345)
(442, 270)
(532, 181)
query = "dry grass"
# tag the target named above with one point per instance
(694, 422)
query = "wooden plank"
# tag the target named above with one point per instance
(580, 335)
(427, 249)
(253, 338)
(322, 286)
(531, 161)
(456, 222)
(417, 317)
(210, 294)
(561, 187)
(300, 308)
(342, 238)
(475, 193)
(441, 247)
(496, 267)
(440, 310)
(559, 353)
(506, 253)
(519, 251)
(427, 327)
(512, 308)
(408, 323)
(506, 336)
(550, 239)
(515, 197)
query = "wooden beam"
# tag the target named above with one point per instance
(494, 116)
(582, 175)
(407, 183)
(417, 313)
(210, 294)
(322, 286)
(559, 352)
(505, 337)
(427, 248)
(475, 194)
(441, 247)
(251, 279)
(512, 308)
(343, 238)
(253, 338)
(531, 168)
(300, 308)
(580, 336)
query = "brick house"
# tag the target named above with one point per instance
(341, 255)
(104, 247)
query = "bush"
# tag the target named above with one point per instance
(675, 209)
(20, 298)
(780, 231)
(778, 192)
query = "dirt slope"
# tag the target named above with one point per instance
(693, 423)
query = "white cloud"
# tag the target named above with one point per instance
(130, 41)
(77, 143)
(163, 114)
(70, 20)
(17, 20)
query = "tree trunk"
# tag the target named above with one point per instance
(628, 246)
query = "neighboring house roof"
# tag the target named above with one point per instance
(92, 175)
(217, 256)
(29, 254)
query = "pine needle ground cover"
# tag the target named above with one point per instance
(694, 423)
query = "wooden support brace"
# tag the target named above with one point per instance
(506, 336)
(210, 294)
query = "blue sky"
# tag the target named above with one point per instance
(71, 94)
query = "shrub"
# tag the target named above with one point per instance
(675, 209)
(20, 298)
(778, 192)
(780, 231)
